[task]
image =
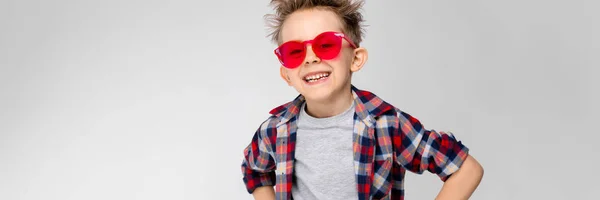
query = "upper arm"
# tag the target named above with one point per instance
(419, 149)
(258, 165)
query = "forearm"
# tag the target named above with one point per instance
(463, 182)
(264, 193)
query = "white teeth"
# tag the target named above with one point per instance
(315, 77)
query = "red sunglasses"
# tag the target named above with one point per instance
(326, 46)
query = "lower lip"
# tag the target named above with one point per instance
(317, 82)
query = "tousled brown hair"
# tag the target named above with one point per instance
(347, 10)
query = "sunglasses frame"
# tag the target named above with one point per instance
(277, 51)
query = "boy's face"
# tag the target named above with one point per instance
(305, 25)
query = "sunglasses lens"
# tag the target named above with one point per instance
(292, 54)
(327, 45)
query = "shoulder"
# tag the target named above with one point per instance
(397, 117)
(404, 116)
(268, 125)
(405, 122)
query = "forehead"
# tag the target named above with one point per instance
(306, 24)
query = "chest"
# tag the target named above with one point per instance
(369, 145)
(329, 139)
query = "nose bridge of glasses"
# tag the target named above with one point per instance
(308, 44)
(310, 55)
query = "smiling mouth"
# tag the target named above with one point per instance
(316, 77)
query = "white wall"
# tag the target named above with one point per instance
(157, 99)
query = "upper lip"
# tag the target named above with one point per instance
(314, 73)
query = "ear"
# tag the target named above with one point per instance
(360, 58)
(284, 75)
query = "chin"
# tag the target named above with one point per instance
(318, 95)
(322, 89)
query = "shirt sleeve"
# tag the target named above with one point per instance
(258, 165)
(419, 149)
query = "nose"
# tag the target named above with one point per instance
(311, 57)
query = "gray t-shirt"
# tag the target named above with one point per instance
(324, 166)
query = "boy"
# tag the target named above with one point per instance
(335, 141)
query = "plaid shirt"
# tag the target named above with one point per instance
(386, 143)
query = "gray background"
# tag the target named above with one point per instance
(154, 99)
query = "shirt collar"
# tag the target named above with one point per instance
(367, 107)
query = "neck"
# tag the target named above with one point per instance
(339, 102)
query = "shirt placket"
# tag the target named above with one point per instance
(286, 146)
(367, 160)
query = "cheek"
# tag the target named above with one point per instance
(343, 61)
(346, 56)
(295, 77)
(291, 74)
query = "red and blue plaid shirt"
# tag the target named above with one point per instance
(386, 143)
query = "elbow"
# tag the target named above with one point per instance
(478, 172)
(475, 168)
(480, 169)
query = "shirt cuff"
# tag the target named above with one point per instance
(254, 180)
(458, 153)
